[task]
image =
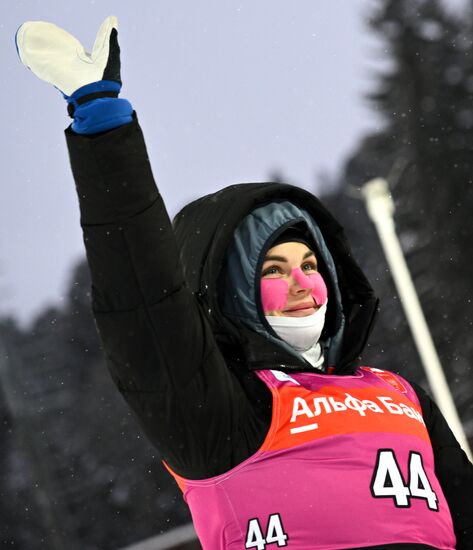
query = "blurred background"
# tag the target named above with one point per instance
(324, 95)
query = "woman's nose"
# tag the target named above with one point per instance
(299, 283)
(295, 288)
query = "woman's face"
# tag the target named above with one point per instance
(291, 285)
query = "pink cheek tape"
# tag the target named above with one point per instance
(274, 294)
(313, 281)
(319, 290)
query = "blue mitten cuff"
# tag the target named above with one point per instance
(96, 107)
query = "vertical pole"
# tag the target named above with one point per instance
(380, 207)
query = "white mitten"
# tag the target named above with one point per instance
(59, 58)
(90, 82)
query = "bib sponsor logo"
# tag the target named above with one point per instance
(306, 415)
(319, 406)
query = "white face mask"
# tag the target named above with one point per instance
(299, 332)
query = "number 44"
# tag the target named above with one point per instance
(274, 533)
(388, 481)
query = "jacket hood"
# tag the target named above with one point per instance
(249, 216)
(241, 275)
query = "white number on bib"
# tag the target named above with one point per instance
(419, 482)
(388, 481)
(274, 533)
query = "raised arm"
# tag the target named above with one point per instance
(157, 341)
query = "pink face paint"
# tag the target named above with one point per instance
(313, 281)
(274, 294)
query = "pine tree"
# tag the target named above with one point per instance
(77, 454)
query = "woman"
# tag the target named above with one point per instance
(234, 337)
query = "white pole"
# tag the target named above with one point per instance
(380, 207)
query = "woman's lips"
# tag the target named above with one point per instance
(305, 305)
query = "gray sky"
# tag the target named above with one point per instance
(226, 92)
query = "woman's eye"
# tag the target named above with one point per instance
(309, 266)
(273, 270)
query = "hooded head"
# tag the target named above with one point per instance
(260, 230)
(224, 238)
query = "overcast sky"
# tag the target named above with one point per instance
(226, 92)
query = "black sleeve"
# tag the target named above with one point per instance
(453, 470)
(156, 339)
